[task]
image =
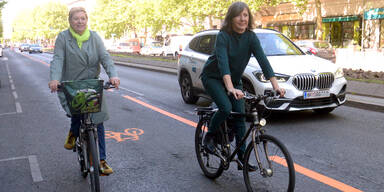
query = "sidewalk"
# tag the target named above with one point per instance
(363, 95)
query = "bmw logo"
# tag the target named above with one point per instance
(313, 70)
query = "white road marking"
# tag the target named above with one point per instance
(35, 170)
(11, 113)
(18, 108)
(33, 164)
(13, 158)
(14, 94)
(137, 93)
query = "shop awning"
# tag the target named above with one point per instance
(340, 19)
(377, 13)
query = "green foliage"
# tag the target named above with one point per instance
(117, 18)
(43, 22)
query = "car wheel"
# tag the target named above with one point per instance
(324, 110)
(187, 90)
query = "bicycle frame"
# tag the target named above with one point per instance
(255, 129)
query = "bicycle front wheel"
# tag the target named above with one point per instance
(276, 171)
(211, 165)
(93, 160)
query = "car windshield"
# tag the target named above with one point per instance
(321, 44)
(275, 44)
(35, 45)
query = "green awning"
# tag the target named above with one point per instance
(340, 19)
(377, 13)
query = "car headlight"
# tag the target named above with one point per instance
(339, 73)
(279, 77)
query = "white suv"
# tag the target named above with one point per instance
(311, 83)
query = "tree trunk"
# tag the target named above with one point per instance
(210, 22)
(319, 22)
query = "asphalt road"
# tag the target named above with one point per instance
(150, 138)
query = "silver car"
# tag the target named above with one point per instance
(311, 83)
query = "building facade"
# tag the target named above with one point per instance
(342, 22)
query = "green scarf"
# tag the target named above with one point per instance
(80, 38)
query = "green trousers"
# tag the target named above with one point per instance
(216, 89)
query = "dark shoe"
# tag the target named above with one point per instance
(240, 166)
(240, 163)
(70, 141)
(209, 143)
(105, 168)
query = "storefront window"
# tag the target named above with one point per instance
(347, 29)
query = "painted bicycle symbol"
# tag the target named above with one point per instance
(128, 134)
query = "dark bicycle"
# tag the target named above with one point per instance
(275, 170)
(85, 97)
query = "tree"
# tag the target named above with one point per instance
(42, 22)
(2, 4)
(113, 17)
(319, 20)
(49, 19)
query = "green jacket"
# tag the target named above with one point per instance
(232, 54)
(71, 63)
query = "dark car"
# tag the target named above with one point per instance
(319, 48)
(35, 48)
(24, 47)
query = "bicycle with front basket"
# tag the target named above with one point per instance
(85, 101)
(275, 169)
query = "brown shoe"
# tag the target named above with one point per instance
(105, 168)
(70, 141)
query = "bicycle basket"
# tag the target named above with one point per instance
(83, 96)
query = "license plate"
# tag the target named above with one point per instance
(316, 94)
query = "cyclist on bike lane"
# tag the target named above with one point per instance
(78, 54)
(223, 70)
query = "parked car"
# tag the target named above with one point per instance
(24, 47)
(1, 51)
(311, 83)
(154, 48)
(35, 48)
(122, 48)
(175, 44)
(319, 48)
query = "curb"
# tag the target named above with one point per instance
(365, 106)
(149, 67)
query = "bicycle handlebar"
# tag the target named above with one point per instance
(108, 85)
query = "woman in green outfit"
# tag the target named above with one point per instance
(77, 56)
(223, 70)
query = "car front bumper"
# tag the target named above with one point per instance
(294, 98)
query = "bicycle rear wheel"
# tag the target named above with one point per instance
(211, 165)
(277, 174)
(93, 160)
(80, 146)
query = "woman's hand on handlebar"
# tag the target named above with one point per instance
(280, 91)
(276, 87)
(237, 93)
(53, 85)
(115, 81)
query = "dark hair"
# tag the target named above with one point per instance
(234, 10)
